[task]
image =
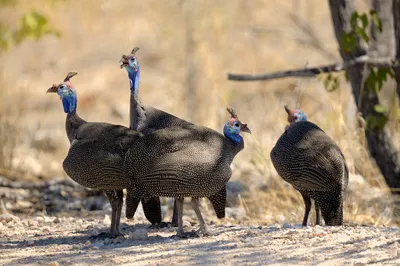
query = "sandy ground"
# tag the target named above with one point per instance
(69, 241)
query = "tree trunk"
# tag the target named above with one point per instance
(396, 18)
(379, 141)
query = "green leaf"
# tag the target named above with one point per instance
(375, 20)
(381, 122)
(362, 34)
(349, 42)
(364, 21)
(381, 109)
(354, 19)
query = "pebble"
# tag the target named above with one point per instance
(31, 243)
(53, 263)
(39, 219)
(7, 217)
(318, 232)
(107, 241)
(46, 229)
(93, 233)
(286, 225)
(106, 220)
(33, 223)
(56, 220)
(139, 234)
(186, 224)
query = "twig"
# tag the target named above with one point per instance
(314, 71)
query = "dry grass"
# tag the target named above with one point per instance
(224, 36)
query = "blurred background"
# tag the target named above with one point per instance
(186, 50)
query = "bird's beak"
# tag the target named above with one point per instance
(124, 61)
(244, 128)
(52, 89)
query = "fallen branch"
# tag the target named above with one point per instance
(314, 71)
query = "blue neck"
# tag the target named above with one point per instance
(69, 103)
(134, 77)
(233, 136)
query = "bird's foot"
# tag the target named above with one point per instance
(105, 235)
(186, 235)
(205, 232)
(159, 225)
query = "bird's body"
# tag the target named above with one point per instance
(183, 162)
(307, 158)
(96, 155)
(191, 162)
(147, 120)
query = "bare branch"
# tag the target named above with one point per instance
(314, 71)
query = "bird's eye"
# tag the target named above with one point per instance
(62, 86)
(132, 59)
(236, 124)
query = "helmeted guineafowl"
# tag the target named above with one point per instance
(146, 120)
(96, 155)
(185, 162)
(307, 158)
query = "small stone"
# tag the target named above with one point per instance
(7, 217)
(53, 263)
(39, 219)
(33, 223)
(57, 220)
(106, 220)
(46, 229)
(272, 229)
(286, 225)
(107, 241)
(186, 224)
(47, 219)
(93, 233)
(31, 243)
(318, 232)
(88, 243)
(139, 234)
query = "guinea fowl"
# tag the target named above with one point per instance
(146, 120)
(96, 155)
(307, 158)
(184, 162)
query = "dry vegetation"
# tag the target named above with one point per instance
(187, 48)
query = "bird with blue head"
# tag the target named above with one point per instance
(307, 158)
(131, 64)
(96, 155)
(66, 92)
(147, 119)
(185, 162)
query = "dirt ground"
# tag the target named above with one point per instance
(43, 240)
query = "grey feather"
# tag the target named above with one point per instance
(311, 161)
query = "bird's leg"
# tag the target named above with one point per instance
(116, 201)
(120, 202)
(174, 221)
(179, 207)
(195, 206)
(317, 214)
(307, 202)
